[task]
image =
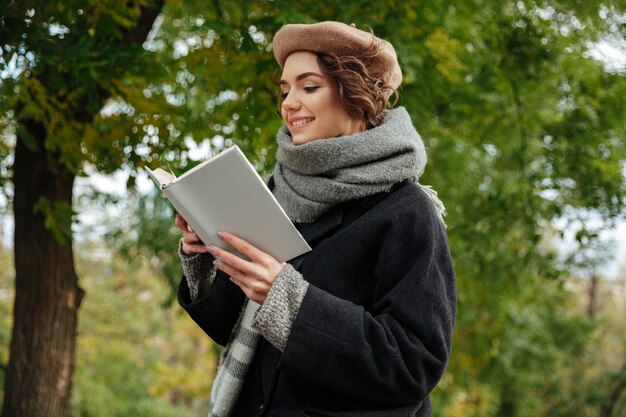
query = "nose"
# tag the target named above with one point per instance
(291, 103)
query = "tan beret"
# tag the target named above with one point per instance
(340, 39)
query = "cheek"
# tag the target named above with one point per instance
(330, 106)
(336, 107)
(339, 115)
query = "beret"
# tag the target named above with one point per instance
(340, 39)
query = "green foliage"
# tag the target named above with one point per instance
(148, 234)
(7, 282)
(136, 358)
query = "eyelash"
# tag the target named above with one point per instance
(308, 89)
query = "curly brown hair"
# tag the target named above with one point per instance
(364, 96)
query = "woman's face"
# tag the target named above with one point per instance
(311, 105)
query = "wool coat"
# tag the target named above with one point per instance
(373, 334)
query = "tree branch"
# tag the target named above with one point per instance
(139, 32)
(218, 9)
(133, 36)
(519, 112)
(608, 408)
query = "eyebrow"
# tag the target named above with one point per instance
(303, 75)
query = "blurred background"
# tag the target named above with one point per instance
(521, 107)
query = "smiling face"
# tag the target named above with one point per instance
(311, 107)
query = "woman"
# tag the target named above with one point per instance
(362, 324)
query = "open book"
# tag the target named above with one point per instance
(225, 193)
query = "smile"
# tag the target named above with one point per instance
(302, 121)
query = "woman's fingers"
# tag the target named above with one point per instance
(192, 238)
(193, 248)
(255, 276)
(261, 266)
(182, 224)
(191, 242)
(254, 289)
(244, 247)
(232, 260)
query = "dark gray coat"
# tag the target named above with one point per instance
(373, 334)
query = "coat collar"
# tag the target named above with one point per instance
(325, 226)
(313, 233)
(319, 229)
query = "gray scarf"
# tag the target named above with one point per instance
(315, 176)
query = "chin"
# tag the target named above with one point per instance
(300, 139)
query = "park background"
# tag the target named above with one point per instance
(521, 107)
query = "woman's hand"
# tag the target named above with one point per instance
(192, 243)
(256, 276)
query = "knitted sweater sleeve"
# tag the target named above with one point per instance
(274, 319)
(199, 272)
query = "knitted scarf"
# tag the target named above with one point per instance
(315, 176)
(308, 180)
(234, 363)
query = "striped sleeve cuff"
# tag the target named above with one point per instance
(199, 272)
(274, 319)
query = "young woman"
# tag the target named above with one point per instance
(361, 325)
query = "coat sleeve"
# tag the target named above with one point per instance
(394, 352)
(217, 311)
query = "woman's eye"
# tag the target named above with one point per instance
(308, 89)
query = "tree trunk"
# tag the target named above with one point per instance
(41, 364)
(592, 307)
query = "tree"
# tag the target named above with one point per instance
(71, 57)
